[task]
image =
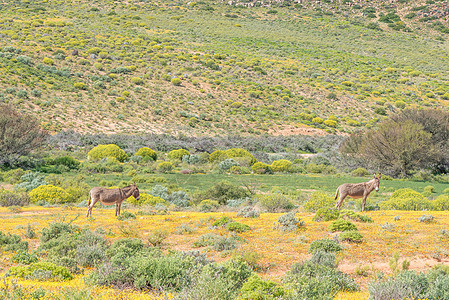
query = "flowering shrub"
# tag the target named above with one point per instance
(342, 225)
(282, 165)
(406, 199)
(177, 154)
(165, 167)
(441, 203)
(55, 272)
(146, 152)
(318, 200)
(49, 193)
(105, 151)
(261, 168)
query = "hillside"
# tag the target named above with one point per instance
(215, 68)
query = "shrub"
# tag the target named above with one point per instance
(342, 225)
(32, 271)
(256, 288)
(406, 284)
(324, 259)
(325, 245)
(426, 219)
(136, 80)
(157, 237)
(12, 242)
(326, 214)
(360, 172)
(261, 168)
(208, 205)
(9, 198)
(406, 199)
(80, 85)
(177, 154)
(440, 203)
(24, 257)
(146, 152)
(165, 167)
(49, 193)
(207, 239)
(237, 227)
(429, 189)
(48, 61)
(287, 222)
(179, 198)
(282, 165)
(248, 212)
(217, 156)
(105, 151)
(318, 200)
(349, 214)
(126, 216)
(351, 236)
(222, 192)
(222, 222)
(227, 164)
(176, 81)
(275, 201)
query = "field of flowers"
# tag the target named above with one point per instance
(268, 250)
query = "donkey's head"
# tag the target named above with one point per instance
(135, 192)
(377, 182)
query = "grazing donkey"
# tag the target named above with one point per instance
(357, 190)
(111, 196)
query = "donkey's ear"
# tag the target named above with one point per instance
(380, 174)
(375, 175)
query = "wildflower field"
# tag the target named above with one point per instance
(269, 251)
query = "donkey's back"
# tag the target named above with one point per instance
(104, 195)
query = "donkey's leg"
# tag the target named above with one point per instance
(116, 209)
(340, 201)
(88, 206)
(364, 202)
(119, 206)
(89, 209)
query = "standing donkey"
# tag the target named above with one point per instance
(111, 196)
(357, 190)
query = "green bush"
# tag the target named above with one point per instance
(256, 288)
(165, 167)
(274, 202)
(325, 245)
(282, 165)
(406, 199)
(360, 172)
(24, 257)
(126, 216)
(261, 168)
(34, 271)
(351, 215)
(240, 153)
(177, 154)
(146, 152)
(12, 242)
(208, 205)
(351, 236)
(217, 156)
(318, 200)
(341, 225)
(237, 227)
(9, 198)
(326, 214)
(222, 192)
(147, 199)
(222, 222)
(441, 203)
(49, 193)
(176, 81)
(288, 222)
(105, 151)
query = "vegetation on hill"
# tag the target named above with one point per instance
(210, 68)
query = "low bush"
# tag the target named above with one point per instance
(287, 222)
(105, 151)
(12, 242)
(317, 201)
(324, 258)
(222, 222)
(179, 198)
(146, 152)
(41, 271)
(360, 172)
(440, 203)
(177, 154)
(207, 239)
(237, 227)
(222, 192)
(10, 198)
(208, 205)
(351, 236)
(226, 165)
(406, 199)
(257, 288)
(351, 215)
(165, 167)
(426, 219)
(261, 168)
(325, 245)
(157, 237)
(326, 214)
(274, 202)
(342, 225)
(147, 199)
(24, 257)
(126, 216)
(248, 212)
(282, 165)
(49, 193)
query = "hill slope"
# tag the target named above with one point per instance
(211, 68)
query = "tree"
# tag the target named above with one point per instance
(19, 134)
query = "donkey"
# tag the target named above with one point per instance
(111, 196)
(357, 190)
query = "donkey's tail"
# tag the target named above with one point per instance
(336, 193)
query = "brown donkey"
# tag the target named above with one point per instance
(111, 196)
(357, 190)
